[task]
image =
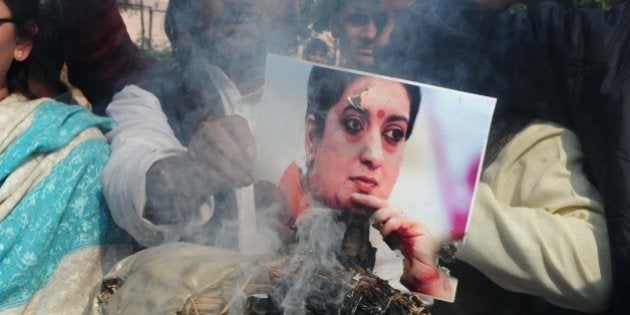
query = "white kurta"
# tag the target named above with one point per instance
(141, 138)
(538, 225)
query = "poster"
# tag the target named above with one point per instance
(432, 176)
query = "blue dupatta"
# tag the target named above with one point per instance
(63, 211)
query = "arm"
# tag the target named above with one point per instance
(568, 66)
(141, 139)
(538, 225)
(158, 190)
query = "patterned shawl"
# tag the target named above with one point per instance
(51, 203)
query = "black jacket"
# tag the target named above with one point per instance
(568, 66)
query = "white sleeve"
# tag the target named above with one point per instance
(538, 225)
(141, 137)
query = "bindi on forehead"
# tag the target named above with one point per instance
(380, 113)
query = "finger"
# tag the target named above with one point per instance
(214, 148)
(381, 216)
(401, 234)
(215, 135)
(368, 201)
(214, 162)
(212, 179)
(239, 129)
(392, 224)
(402, 226)
(228, 173)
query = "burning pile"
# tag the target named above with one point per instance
(311, 276)
(342, 291)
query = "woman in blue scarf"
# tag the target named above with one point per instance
(56, 234)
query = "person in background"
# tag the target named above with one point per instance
(360, 26)
(549, 231)
(182, 145)
(356, 25)
(316, 50)
(56, 234)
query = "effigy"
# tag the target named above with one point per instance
(339, 291)
(310, 276)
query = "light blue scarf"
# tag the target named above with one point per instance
(64, 212)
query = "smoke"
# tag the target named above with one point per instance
(319, 241)
(234, 36)
(273, 223)
(465, 46)
(301, 278)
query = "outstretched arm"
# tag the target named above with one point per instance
(159, 190)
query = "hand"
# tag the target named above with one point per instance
(176, 188)
(225, 147)
(220, 155)
(420, 271)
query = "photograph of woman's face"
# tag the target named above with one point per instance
(362, 144)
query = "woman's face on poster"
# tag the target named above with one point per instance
(362, 145)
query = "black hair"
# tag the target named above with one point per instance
(315, 44)
(183, 16)
(193, 19)
(326, 11)
(24, 14)
(50, 53)
(326, 86)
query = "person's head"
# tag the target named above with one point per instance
(18, 32)
(316, 50)
(356, 24)
(361, 26)
(355, 134)
(235, 35)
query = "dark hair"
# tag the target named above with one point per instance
(192, 17)
(314, 45)
(325, 11)
(24, 14)
(183, 16)
(326, 86)
(49, 53)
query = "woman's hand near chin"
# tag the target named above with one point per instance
(420, 271)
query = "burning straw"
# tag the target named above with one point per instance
(310, 276)
(307, 278)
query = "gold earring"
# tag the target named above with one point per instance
(19, 56)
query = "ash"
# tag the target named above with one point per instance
(309, 277)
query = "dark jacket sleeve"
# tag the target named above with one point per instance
(100, 56)
(568, 66)
(588, 53)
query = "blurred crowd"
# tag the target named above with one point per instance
(165, 153)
